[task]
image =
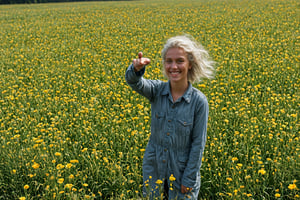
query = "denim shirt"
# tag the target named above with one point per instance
(178, 131)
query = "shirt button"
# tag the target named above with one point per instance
(168, 134)
(173, 106)
(165, 150)
(169, 120)
(164, 161)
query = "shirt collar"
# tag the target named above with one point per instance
(186, 96)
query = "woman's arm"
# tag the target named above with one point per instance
(192, 169)
(134, 78)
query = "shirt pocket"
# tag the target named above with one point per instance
(149, 155)
(158, 120)
(159, 115)
(184, 127)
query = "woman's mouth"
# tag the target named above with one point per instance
(174, 72)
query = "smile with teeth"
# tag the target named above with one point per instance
(175, 72)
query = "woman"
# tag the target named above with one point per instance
(179, 118)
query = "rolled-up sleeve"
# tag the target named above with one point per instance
(132, 76)
(143, 86)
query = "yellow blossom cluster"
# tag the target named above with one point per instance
(71, 128)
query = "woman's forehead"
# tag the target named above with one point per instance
(175, 52)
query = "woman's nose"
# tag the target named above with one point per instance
(173, 65)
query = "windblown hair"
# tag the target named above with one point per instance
(201, 63)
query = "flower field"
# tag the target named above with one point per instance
(71, 128)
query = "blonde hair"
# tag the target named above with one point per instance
(202, 65)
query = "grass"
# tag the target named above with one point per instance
(71, 128)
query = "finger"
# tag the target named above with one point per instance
(140, 54)
(134, 62)
(183, 191)
(145, 61)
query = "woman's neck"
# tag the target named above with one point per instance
(178, 89)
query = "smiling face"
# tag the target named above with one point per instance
(176, 65)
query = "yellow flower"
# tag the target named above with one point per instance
(69, 165)
(247, 177)
(292, 186)
(234, 159)
(239, 165)
(69, 186)
(60, 181)
(142, 150)
(60, 166)
(22, 198)
(172, 178)
(262, 171)
(229, 179)
(74, 161)
(35, 165)
(26, 187)
(105, 159)
(57, 154)
(159, 182)
(31, 175)
(277, 195)
(85, 184)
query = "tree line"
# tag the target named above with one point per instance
(40, 1)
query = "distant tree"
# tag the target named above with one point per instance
(40, 1)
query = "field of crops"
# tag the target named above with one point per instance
(71, 128)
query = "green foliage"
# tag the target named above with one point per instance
(71, 128)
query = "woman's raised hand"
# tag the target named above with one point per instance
(140, 62)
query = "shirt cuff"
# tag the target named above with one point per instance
(132, 76)
(141, 72)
